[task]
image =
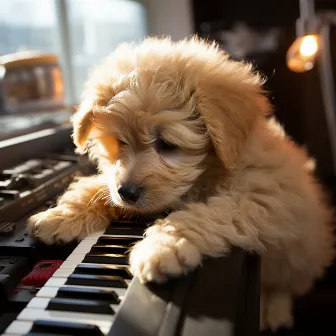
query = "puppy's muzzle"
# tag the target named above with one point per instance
(129, 192)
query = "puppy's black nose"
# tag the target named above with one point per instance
(129, 192)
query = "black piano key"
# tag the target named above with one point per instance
(80, 306)
(110, 249)
(121, 271)
(115, 240)
(109, 296)
(124, 222)
(36, 333)
(101, 258)
(65, 328)
(96, 280)
(125, 230)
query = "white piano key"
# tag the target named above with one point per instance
(63, 272)
(94, 235)
(76, 257)
(39, 303)
(19, 328)
(82, 249)
(88, 242)
(55, 282)
(103, 321)
(69, 264)
(48, 292)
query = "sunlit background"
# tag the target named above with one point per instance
(94, 31)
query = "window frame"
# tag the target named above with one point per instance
(64, 42)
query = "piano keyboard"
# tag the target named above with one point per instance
(84, 295)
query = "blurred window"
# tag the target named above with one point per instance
(27, 24)
(80, 32)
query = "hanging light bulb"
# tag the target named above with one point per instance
(309, 46)
(301, 56)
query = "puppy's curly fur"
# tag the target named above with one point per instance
(187, 125)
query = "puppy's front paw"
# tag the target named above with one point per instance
(276, 311)
(52, 226)
(63, 224)
(162, 255)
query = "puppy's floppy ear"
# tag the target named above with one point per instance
(97, 93)
(230, 101)
(82, 126)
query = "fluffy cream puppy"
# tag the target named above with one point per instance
(181, 126)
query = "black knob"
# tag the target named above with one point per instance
(129, 192)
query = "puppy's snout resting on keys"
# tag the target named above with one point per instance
(129, 192)
(186, 126)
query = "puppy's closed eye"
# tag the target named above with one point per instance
(121, 142)
(168, 152)
(164, 147)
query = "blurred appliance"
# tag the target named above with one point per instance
(30, 81)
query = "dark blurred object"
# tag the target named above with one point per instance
(30, 81)
(299, 99)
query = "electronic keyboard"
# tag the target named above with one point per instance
(93, 293)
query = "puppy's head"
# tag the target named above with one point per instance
(155, 111)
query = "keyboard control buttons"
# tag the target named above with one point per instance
(41, 273)
(7, 228)
(20, 239)
(4, 261)
(10, 195)
(17, 182)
